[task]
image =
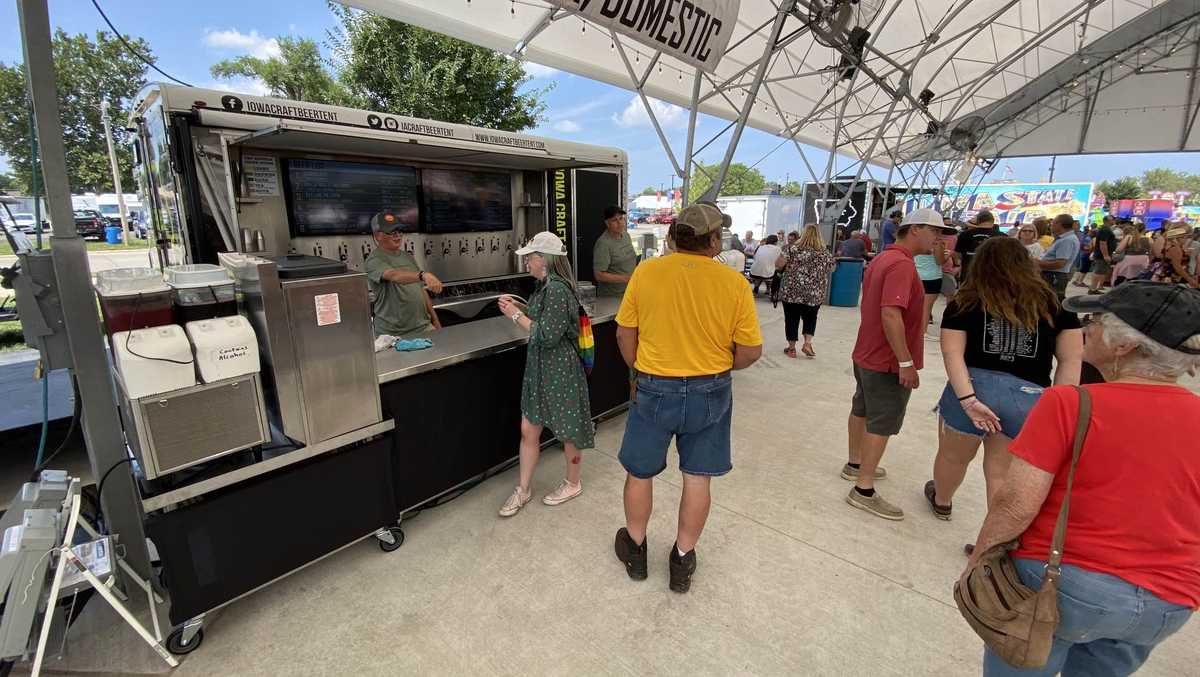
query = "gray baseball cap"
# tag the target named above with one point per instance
(387, 222)
(1167, 313)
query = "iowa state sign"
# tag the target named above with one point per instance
(693, 31)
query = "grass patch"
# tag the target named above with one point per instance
(11, 337)
(92, 246)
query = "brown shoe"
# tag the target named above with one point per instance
(941, 512)
(874, 505)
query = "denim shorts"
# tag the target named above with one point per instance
(1107, 626)
(1010, 397)
(696, 412)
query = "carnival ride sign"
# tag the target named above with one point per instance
(696, 32)
(1011, 203)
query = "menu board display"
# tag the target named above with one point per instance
(461, 202)
(328, 197)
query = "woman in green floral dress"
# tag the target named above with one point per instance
(554, 393)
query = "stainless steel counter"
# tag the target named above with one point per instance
(468, 341)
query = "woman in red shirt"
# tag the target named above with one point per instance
(1131, 560)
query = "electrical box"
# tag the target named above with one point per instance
(36, 287)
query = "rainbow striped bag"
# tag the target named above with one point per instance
(587, 342)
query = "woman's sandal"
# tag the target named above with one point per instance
(807, 350)
(790, 352)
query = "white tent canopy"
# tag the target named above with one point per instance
(1046, 76)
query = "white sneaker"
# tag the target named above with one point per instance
(515, 502)
(564, 492)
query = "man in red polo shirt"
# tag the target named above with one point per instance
(889, 351)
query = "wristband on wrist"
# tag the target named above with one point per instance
(905, 364)
(966, 397)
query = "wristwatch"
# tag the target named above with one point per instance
(421, 277)
(905, 365)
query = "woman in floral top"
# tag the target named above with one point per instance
(554, 392)
(807, 265)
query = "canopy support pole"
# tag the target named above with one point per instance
(1192, 105)
(1090, 110)
(691, 136)
(641, 92)
(101, 427)
(764, 63)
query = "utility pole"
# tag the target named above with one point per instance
(1053, 159)
(116, 172)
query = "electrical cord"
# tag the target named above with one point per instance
(133, 323)
(100, 488)
(133, 51)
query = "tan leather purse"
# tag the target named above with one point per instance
(1015, 621)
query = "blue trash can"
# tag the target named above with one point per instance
(112, 234)
(847, 282)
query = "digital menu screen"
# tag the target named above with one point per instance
(328, 197)
(459, 201)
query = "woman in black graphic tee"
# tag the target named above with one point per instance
(1000, 337)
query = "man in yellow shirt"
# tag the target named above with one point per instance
(685, 322)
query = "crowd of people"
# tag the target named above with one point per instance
(1014, 349)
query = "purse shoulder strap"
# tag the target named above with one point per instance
(1054, 562)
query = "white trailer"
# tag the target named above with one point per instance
(762, 214)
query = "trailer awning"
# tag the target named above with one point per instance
(1011, 62)
(332, 139)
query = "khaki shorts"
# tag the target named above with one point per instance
(880, 399)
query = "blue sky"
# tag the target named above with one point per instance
(188, 37)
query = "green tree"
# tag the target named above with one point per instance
(792, 189)
(10, 182)
(393, 67)
(1165, 179)
(89, 71)
(1124, 188)
(648, 190)
(739, 180)
(298, 72)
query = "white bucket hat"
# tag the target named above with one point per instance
(544, 242)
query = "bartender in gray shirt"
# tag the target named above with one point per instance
(401, 304)
(1056, 263)
(613, 258)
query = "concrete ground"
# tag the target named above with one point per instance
(791, 580)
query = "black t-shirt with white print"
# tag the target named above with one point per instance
(996, 344)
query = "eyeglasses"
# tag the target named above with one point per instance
(393, 234)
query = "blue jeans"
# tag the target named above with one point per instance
(1108, 626)
(697, 412)
(1009, 397)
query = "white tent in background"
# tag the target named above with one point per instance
(899, 85)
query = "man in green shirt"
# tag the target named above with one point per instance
(613, 258)
(401, 304)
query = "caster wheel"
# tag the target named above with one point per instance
(397, 540)
(176, 646)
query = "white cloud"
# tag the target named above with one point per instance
(538, 71)
(239, 85)
(566, 126)
(634, 115)
(253, 43)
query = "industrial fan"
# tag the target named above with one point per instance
(833, 21)
(965, 137)
(842, 25)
